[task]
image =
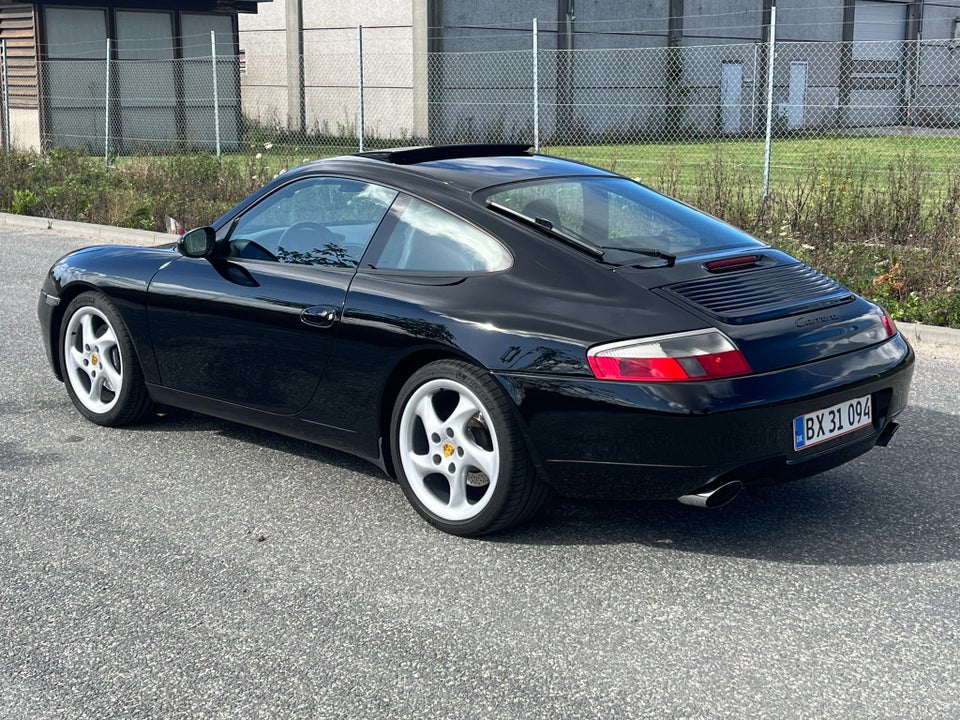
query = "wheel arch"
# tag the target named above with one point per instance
(120, 273)
(516, 492)
(132, 311)
(128, 399)
(402, 372)
(391, 390)
(66, 296)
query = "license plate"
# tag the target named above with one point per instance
(817, 427)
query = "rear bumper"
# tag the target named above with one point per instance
(594, 438)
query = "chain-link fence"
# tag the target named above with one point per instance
(142, 100)
(357, 88)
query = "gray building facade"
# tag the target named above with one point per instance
(458, 70)
(87, 74)
(699, 67)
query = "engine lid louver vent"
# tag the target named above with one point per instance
(762, 294)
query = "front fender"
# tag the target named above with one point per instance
(123, 274)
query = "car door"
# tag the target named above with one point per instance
(424, 284)
(255, 327)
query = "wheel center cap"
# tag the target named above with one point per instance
(448, 449)
(94, 360)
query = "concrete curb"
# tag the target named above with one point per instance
(930, 334)
(914, 332)
(106, 234)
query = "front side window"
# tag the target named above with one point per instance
(315, 221)
(620, 216)
(428, 239)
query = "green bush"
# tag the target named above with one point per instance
(889, 230)
(892, 235)
(25, 202)
(136, 192)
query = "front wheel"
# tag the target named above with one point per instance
(459, 455)
(100, 367)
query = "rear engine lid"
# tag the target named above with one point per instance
(779, 314)
(760, 294)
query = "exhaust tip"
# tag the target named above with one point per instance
(887, 435)
(713, 495)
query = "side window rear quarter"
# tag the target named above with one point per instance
(425, 238)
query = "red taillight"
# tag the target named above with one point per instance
(889, 325)
(615, 368)
(698, 355)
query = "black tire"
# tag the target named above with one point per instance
(459, 444)
(105, 358)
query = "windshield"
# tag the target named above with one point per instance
(620, 216)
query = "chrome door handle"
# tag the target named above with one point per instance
(322, 316)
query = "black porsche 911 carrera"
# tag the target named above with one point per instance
(489, 326)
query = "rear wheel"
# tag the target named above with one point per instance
(100, 368)
(459, 454)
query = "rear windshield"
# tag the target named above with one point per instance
(614, 212)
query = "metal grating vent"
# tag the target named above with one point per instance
(762, 294)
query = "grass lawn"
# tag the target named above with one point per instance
(788, 156)
(674, 167)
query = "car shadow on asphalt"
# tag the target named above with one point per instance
(899, 504)
(175, 420)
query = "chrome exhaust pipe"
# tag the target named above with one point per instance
(713, 495)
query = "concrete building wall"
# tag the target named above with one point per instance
(263, 77)
(809, 20)
(937, 102)
(621, 81)
(601, 24)
(25, 129)
(489, 27)
(481, 80)
(707, 22)
(619, 48)
(394, 44)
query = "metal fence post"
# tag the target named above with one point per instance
(771, 61)
(106, 112)
(753, 89)
(216, 91)
(565, 117)
(5, 89)
(536, 88)
(360, 85)
(911, 78)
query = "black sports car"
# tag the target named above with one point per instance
(488, 326)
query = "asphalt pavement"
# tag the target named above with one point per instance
(194, 568)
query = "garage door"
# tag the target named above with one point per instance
(147, 84)
(879, 30)
(76, 76)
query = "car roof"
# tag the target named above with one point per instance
(466, 167)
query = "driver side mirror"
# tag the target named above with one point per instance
(197, 243)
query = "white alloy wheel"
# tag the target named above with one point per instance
(93, 363)
(99, 363)
(449, 449)
(458, 451)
